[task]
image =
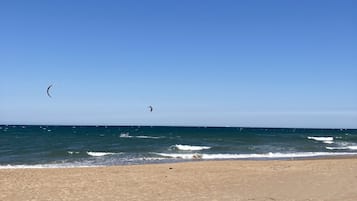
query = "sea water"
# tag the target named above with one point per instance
(25, 146)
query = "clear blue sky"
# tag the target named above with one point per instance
(205, 63)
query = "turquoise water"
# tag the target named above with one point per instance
(68, 146)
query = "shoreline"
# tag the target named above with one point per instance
(54, 166)
(316, 179)
(322, 158)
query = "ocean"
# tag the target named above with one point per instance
(24, 146)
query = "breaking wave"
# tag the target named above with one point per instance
(342, 148)
(190, 147)
(327, 140)
(126, 135)
(92, 153)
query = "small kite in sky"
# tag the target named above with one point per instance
(48, 91)
(151, 108)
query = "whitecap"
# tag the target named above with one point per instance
(178, 156)
(342, 148)
(336, 148)
(352, 147)
(92, 153)
(190, 147)
(146, 137)
(73, 152)
(326, 140)
(125, 135)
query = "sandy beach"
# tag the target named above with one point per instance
(322, 179)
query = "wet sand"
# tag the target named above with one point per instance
(322, 179)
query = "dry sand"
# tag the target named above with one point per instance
(323, 179)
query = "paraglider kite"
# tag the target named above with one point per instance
(151, 108)
(48, 91)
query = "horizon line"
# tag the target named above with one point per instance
(183, 126)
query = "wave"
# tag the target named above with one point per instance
(92, 153)
(150, 159)
(327, 140)
(146, 137)
(190, 148)
(73, 152)
(252, 156)
(126, 135)
(342, 148)
(44, 166)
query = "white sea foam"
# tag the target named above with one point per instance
(341, 145)
(190, 147)
(352, 147)
(92, 153)
(151, 158)
(321, 138)
(327, 140)
(342, 148)
(126, 135)
(146, 137)
(39, 166)
(73, 152)
(248, 156)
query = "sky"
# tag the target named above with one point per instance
(198, 63)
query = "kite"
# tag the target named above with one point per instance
(48, 91)
(151, 108)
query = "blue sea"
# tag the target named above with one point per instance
(24, 146)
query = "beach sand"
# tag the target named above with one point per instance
(322, 179)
